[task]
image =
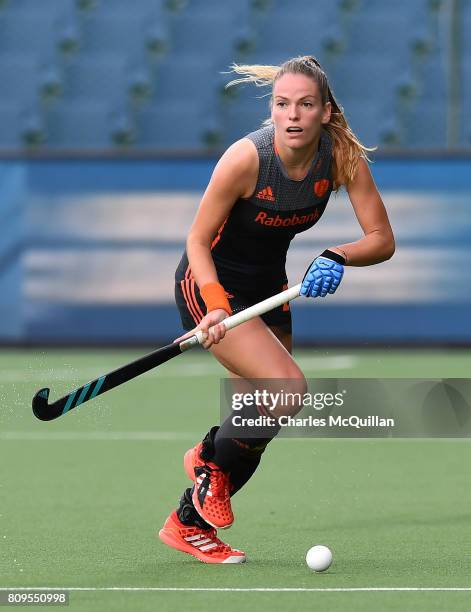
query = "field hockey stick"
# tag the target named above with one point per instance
(47, 412)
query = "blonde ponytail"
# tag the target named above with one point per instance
(347, 148)
(259, 74)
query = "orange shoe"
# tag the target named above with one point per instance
(211, 495)
(202, 544)
(192, 460)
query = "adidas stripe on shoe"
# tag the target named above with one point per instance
(201, 543)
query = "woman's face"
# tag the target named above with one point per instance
(297, 110)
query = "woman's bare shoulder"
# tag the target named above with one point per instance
(239, 163)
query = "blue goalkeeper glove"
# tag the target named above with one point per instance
(323, 275)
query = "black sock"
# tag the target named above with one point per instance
(248, 458)
(232, 442)
(245, 468)
(187, 514)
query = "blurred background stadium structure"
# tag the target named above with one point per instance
(113, 113)
(91, 74)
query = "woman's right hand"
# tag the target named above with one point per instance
(211, 326)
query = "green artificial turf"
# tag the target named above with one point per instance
(82, 497)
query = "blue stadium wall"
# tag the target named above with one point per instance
(89, 248)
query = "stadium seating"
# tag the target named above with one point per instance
(10, 122)
(19, 78)
(246, 113)
(115, 33)
(465, 76)
(148, 59)
(101, 78)
(464, 116)
(85, 125)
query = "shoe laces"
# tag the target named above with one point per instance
(219, 482)
(221, 546)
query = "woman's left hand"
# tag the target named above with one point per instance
(322, 277)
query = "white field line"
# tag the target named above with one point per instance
(99, 435)
(245, 590)
(170, 436)
(77, 375)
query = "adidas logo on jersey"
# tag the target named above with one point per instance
(266, 194)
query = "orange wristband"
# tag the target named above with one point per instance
(214, 297)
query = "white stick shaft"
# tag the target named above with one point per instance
(257, 309)
(262, 307)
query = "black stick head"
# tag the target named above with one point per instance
(40, 404)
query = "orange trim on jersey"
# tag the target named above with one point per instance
(195, 301)
(286, 305)
(190, 297)
(218, 235)
(188, 303)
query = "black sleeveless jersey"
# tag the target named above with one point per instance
(255, 237)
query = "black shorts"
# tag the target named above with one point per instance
(243, 290)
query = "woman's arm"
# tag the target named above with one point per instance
(377, 244)
(234, 177)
